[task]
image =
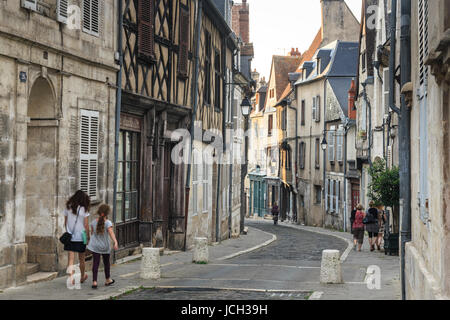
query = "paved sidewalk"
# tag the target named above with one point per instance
(127, 274)
(354, 268)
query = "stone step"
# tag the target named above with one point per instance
(32, 268)
(41, 276)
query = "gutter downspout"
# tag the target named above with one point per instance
(392, 58)
(404, 136)
(118, 110)
(194, 113)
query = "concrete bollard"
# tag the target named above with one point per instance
(330, 269)
(150, 264)
(201, 253)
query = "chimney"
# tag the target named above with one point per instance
(244, 22)
(294, 53)
(338, 22)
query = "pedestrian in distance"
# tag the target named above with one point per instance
(275, 213)
(99, 245)
(352, 219)
(76, 223)
(358, 227)
(382, 222)
(372, 225)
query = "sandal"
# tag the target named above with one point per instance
(111, 283)
(94, 286)
(85, 278)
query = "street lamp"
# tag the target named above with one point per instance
(324, 143)
(246, 107)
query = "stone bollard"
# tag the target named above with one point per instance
(330, 269)
(150, 265)
(201, 253)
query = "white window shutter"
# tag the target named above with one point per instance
(326, 194)
(317, 118)
(89, 134)
(62, 11)
(91, 17)
(29, 4)
(314, 108)
(194, 188)
(331, 144)
(338, 183)
(340, 142)
(423, 39)
(332, 196)
(205, 187)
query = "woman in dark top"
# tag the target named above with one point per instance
(373, 226)
(275, 212)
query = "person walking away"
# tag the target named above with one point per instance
(99, 245)
(275, 213)
(352, 219)
(372, 226)
(382, 222)
(76, 222)
(358, 227)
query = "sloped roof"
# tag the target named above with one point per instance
(306, 56)
(283, 65)
(340, 88)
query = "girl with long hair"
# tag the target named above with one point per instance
(100, 245)
(76, 223)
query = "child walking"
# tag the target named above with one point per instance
(99, 244)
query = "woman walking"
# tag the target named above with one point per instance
(382, 223)
(372, 225)
(101, 228)
(275, 213)
(76, 222)
(358, 227)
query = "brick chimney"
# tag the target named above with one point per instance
(294, 53)
(241, 21)
(351, 101)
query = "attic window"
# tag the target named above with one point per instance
(363, 61)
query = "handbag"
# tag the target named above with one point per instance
(67, 237)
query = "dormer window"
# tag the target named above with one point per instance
(318, 65)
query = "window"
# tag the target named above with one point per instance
(327, 195)
(284, 119)
(331, 143)
(386, 90)
(338, 195)
(272, 93)
(195, 184)
(303, 112)
(363, 61)
(270, 125)
(217, 82)
(128, 176)
(317, 158)
(318, 194)
(423, 39)
(316, 109)
(302, 154)
(287, 154)
(184, 42)
(91, 20)
(89, 132)
(340, 145)
(332, 196)
(62, 10)
(207, 69)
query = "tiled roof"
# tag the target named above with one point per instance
(306, 56)
(282, 66)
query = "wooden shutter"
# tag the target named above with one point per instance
(205, 186)
(89, 133)
(146, 34)
(317, 118)
(91, 17)
(62, 11)
(270, 124)
(338, 185)
(331, 146)
(195, 174)
(184, 42)
(332, 195)
(327, 194)
(314, 109)
(386, 90)
(29, 4)
(340, 145)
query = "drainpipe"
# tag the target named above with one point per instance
(392, 58)
(118, 109)
(404, 136)
(194, 113)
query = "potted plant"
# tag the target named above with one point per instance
(384, 189)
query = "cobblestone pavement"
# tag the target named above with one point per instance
(210, 294)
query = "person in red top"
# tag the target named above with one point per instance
(358, 227)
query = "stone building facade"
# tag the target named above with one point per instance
(57, 111)
(427, 256)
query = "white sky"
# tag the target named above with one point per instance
(276, 26)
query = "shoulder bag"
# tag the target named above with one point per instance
(67, 237)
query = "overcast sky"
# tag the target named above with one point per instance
(276, 26)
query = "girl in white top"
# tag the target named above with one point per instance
(76, 222)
